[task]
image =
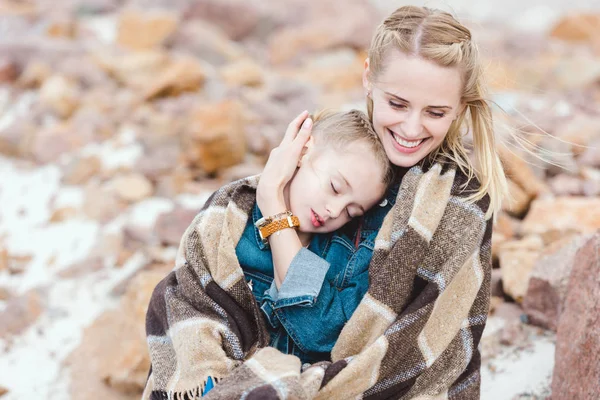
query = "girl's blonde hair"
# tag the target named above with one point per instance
(338, 129)
(436, 36)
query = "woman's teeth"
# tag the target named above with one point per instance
(406, 143)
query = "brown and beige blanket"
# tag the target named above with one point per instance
(414, 335)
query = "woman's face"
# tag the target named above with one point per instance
(414, 103)
(331, 187)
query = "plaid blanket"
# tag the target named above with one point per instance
(414, 335)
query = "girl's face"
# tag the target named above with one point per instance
(414, 103)
(331, 186)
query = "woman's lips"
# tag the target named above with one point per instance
(404, 149)
(315, 219)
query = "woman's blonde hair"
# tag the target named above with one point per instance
(338, 129)
(437, 36)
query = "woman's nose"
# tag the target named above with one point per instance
(412, 126)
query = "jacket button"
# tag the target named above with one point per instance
(383, 203)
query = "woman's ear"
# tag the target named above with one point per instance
(306, 151)
(365, 77)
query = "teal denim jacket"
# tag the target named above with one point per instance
(323, 286)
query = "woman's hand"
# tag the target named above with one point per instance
(281, 166)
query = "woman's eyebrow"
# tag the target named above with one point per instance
(406, 101)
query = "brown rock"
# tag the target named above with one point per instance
(80, 170)
(102, 370)
(35, 73)
(140, 30)
(21, 312)
(50, 143)
(519, 171)
(9, 71)
(566, 185)
(181, 75)
(61, 95)
(237, 18)
(62, 214)
(170, 226)
(3, 391)
(355, 22)
(132, 187)
(576, 370)
(5, 293)
(518, 201)
(135, 70)
(3, 259)
(591, 156)
(101, 204)
(517, 259)
(578, 28)
(82, 268)
(216, 138)
(563, 214)
(547, 289)
(207, 43)
(243, 73)
(507, 225)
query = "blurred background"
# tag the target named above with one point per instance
(119, 118)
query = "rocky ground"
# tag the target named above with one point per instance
(118, 120)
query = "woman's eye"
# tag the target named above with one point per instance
(333, 188)
(437, 114)
(397, 105)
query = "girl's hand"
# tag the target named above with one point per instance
(281, 166)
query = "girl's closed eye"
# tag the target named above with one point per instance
(333, 188)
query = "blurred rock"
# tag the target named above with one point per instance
(507, 225)
(518, 201)
(215, 138)
(243, 73)
(9, 70)
(591, 156)
(545, 296)
(563, 214)
(81, 169)
(3, 259)
(52, 142)
(566, 185)
(35, 73)
(170, 226)
(519, 171)
(21, 312)
(207, 42)
(355, 23)
(247, 168)
(517, 259)
(140, 30)
(580, 131)
(496, 284)
(101, 204)
(184, 74)
(61, 95)
(577, 371)
(578, 28)
(591, 181)
(5, 293)
(82, 268)
(117, 372)
(132, 187)
(237, 18)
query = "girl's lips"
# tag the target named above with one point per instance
(403, 149)
(315, 219)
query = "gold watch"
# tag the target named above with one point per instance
(269, 225)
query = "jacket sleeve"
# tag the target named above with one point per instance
(328, 311)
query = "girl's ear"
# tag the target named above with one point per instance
(365, 77)
(306, 151)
